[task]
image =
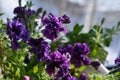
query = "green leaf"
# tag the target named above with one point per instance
(17, 73)
(19, 1)
(72, 66)
(1, 14)
(101, 54)
(108, 30)
(118, 26)
(107, 41)
(95, 28)
(84, 38)
(39, 10)
(29, 4)
(93, 52)
(102, 21)
(77, 28)
(82, 68)
(35, 69)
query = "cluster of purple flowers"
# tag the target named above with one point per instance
(17, 29)
(59, 59)
(53, 25)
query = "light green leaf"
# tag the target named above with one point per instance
(17, 73)
(35, 69)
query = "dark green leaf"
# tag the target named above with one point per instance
(1, 14)
(84, 37)
(39, 10)
(102, 21)
(118, 26)
(77, 28)
(19, 1)
(107, 41)
(108, 30)
(96, 28)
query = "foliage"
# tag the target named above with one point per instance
(97, 39)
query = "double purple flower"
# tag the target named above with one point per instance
(59, 61)
(53, 25)
(20, 12)
(78, 52)
(17, 31)
(79, 55)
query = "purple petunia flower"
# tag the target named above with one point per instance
(23, 12)
(40, 47)
(85, 60)
(59, 61)
(17, 31)
(20, 11)
(117, 61)
(83, 76)
(67, 50)
(81, 48)
(79, 55)
(53, 25)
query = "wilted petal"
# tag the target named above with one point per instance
(65, 19)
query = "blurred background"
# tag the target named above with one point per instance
(87, 12)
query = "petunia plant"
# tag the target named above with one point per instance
(32, 48)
